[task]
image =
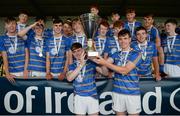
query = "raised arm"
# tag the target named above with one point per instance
(71, 75)
(25, 30)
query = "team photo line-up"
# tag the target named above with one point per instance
(127, 50)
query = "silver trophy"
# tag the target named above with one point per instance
(90, 24)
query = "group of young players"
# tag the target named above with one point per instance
(127, 51)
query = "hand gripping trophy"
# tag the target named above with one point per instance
(90, 24)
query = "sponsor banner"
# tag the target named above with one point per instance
(54, 97)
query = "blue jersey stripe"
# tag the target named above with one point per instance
(58, 60)
(36, 63)
(145, 67)
(172, 57)
(16, 61)
(127, 84)
(87, 87)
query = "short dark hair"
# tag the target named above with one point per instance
(40, 25)
(140, 28)
(68, 21)
(104, 23)
(57, 21)
(124, 32)
(76, 46)
(173, 21)
(130, 10)
(149, 15)
(9, 19)
(55, 17)
(94, 6)
(75, 20)
(118, 23)
(23, 12)
(40, 18)
(114, 13)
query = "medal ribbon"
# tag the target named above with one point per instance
(143, 49)
(117, 43)
(83, 70)
(80, 39)
(170, 43)
(101, 44)
(124, 53)
(13, 43)
(149, 34)
(131, 27)
(40, 44)
(57, 46)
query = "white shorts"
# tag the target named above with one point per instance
(18, 74)
(126, 103)
(172, 70)
(85, 104)
(37, 74)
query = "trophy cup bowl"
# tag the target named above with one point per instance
(90, 24)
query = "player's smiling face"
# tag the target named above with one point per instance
(11, 27)
(115, 17)
(170, 27)
(130, 17)
(23, 18)
(148, 21)
(124, 41)
(117, 30)
(38, 30)
(57, 28)
(77, 27)
(94, 11)
(141, 36)
(77, 53)
(67, 29)
(103, 30)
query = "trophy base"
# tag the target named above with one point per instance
(92, 53)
